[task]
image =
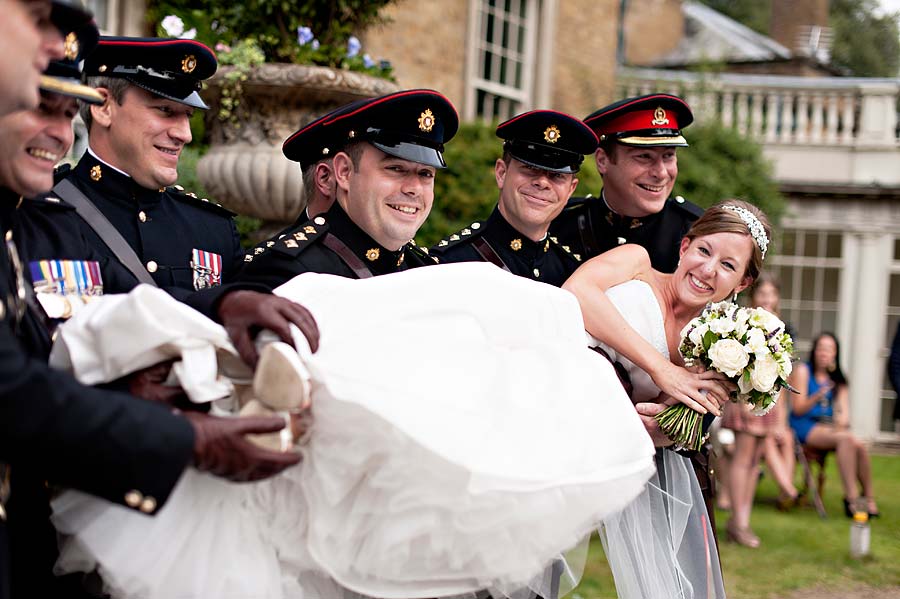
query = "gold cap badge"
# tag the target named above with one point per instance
(551, 134)
(189, 63)
(426, 120)
(71, 46)
(96, 172)
(659, 117)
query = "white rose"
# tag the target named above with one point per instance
(721, 326)
(763, 410)
(744, 386)
(728, 356)
(173, 25)
(764, 373)
(756, 342)
(767, 320)
(696, 336)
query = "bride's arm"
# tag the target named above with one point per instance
(602, 320)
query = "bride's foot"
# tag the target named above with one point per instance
(871, 507)
(281, 381)
(742, 536)
(786, 502)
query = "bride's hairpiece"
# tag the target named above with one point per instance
(757, 231)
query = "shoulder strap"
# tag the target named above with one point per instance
(105, 229)
(487, 252)
(348, 257)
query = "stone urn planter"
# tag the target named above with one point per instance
(244, 168)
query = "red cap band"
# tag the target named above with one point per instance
(638, 120)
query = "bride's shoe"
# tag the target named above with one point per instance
(281, 381)
(742, 536)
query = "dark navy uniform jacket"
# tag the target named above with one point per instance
(546, 261)
(53, 429)
(589, 228)
(329, 243)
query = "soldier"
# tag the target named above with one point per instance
(113, 217)
(53, 429)
(637, 159)
(384, 191)
(542, 153)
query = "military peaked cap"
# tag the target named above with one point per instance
(548, 140)
(170, 68)
(652, 120)
(69, 15)
(314, 142)
(413, 125)
(63, 76)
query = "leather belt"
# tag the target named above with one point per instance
(348, 257)
(487, 253)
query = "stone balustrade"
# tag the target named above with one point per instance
(828, 129)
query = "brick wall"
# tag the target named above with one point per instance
(653, 29)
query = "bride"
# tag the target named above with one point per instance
(662, 545)
(463, 438)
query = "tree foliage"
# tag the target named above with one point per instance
(866, 42)
(754, 14)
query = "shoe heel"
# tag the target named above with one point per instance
(281, 381)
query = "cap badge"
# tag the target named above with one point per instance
(551, 134)
(189, 63)
(71, 46)
(373, 254)
(659, 117)
(96, 172)
(426, 121)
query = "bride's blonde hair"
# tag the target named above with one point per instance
(723, 218)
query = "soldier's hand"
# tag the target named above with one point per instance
(149, 384)
(647, 412)
(221, 449)
(244, 313)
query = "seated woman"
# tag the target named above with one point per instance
(821, 419)
(462, 437)
(662, 544)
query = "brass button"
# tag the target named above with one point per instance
(142, 216)
(679, 199)
(319, 220)
(537, 273)
(148, 505)
(620, 240)
(133, 498)
(152, 266)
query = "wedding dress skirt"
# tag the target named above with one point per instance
(660, 546)
(463, 438)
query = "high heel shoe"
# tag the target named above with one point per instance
(281, 381)
(850, 507)
(742, 536)
(870, 503)
(786, 502)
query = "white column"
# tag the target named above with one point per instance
(862, 325)
(878, 114)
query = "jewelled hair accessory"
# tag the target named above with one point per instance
(757, 231)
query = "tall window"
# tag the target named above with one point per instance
(105, 14)
(502, 67)
(809, 267)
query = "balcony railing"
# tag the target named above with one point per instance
(812, 128)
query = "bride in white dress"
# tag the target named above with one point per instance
(661, 546)
(463, 437)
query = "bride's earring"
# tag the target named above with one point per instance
(734, 298)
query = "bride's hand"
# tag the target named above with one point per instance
(688, 387)
(724, 387)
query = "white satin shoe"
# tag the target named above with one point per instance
(281, 381)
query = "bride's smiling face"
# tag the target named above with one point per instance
(713, 267)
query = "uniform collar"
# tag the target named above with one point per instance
(617, 220)
(110, 182)
(505, 236)
(376, 257)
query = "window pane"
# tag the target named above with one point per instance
(489, 30)
(897, 248)
(829, 320)
(789, 243)
(808, 290)
(894, 296)
(804, 325)
(811, 244)
(100, 8)
(833, 245)
(830, 287)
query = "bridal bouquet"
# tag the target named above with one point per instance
(748, 345)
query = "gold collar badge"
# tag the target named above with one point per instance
(189, 63)
(426, 121)
(71, 46)
(659, 117)
(372, 255)
(516, 244)
(96, 172)
(551, 134)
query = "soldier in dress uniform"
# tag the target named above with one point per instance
(384, 179)
(54, 430)
(637, 159)
(166, 237)
(542, 153)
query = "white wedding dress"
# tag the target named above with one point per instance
(463, 438)
(661, 546)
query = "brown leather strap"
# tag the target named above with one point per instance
(487, 252)
(344, 253)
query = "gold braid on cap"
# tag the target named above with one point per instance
(757, 231)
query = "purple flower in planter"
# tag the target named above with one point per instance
(353, 47)
(368, 62)
(304, 35)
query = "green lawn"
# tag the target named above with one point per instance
(798, 548)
